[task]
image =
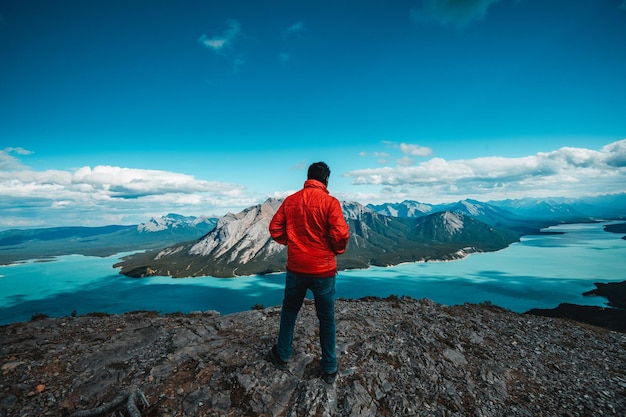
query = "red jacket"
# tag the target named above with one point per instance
(311, 224)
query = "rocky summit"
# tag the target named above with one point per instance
(397, 356)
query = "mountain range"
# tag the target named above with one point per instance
(22, 244)
(239, 244)
(524, 211)
(382, 235)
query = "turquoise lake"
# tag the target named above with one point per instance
(538, 272)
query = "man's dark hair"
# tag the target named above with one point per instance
(319, 171)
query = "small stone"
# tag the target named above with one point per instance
(9, 366)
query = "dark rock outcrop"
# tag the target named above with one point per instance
(615, 292)
(616, 228)
(397, 356)
(612, 317)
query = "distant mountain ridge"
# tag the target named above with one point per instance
(568, 210)
(526, 215)
(240, 244)
(22, 244)
(407, 208)
(552, 210)
(381, 234)
(177, 223)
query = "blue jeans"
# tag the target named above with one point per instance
(323, 290)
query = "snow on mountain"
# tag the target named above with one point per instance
(174, 221)
(155, 224)
(568, 210)
(472, 208)
(407, 208)
(353, 210)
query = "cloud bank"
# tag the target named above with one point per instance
(102, 195)
(566, 172)
(105, 195)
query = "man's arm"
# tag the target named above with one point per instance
(338, 229)
(277, 227)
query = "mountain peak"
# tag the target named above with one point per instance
(173, 221)
(473, 207)
(407, 208)
(354, 210)
(453, 222)
(240, 237)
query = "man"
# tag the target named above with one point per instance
(311, 224)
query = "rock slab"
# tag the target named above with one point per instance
(397, 357)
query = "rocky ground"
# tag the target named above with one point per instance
(398, 357)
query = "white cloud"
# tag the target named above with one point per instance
(238, 62)
(92, 196)
(118, 195)
(567, 172)
(299, 166)
(230, 34)
(18, 150)
(615, 154)
(411, 150)
(405, 161)
(223, 44)
(9, 162)
(375, 154)
(295, 30)
(458, 13)
(414, 150)
(408, 150)
(132, 183)
(214, 43)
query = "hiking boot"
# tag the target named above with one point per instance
(276, 360)
(329, 378)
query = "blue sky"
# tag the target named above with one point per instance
(116, 111)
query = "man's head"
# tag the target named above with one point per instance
(319, 171)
